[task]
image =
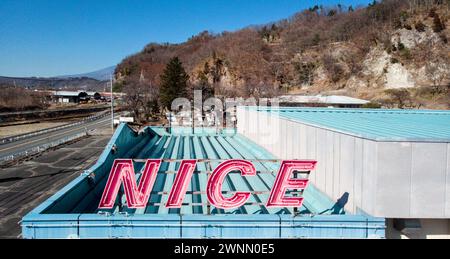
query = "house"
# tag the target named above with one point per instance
(70, 96)
(75, 96)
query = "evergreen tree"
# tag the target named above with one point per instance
(314, 9)
(174, 83)
(316, 39)
(332, 13)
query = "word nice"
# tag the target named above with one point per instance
(137, 197)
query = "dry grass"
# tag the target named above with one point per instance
(23, 129)
(20, 99)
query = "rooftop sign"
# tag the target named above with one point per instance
(137, 196)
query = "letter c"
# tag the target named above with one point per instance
(214, 189)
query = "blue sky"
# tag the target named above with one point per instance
(60, 37)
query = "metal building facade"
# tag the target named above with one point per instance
(389, 163)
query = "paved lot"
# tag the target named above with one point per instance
(25, 186)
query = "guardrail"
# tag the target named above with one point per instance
(54, 110)
(44, 131)
(41, 148)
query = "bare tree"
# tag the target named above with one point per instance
(333, 68)
(437, 71)
(140, 97)
(401, 97)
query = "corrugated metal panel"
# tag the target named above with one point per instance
(202, 226)
(68, 93)
(72, 212)
(380, 125)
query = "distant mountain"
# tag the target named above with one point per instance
(93, 81)
(79, 83)
(101, 75)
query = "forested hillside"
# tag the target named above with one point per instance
(394, 52)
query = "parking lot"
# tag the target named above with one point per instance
(24, 186)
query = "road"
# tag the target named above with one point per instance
(29, 143)
(24, 186)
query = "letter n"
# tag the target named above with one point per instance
(123, 172)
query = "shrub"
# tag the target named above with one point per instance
(332, 66)
(316, 40)
(406, 53)
(305, 72)
(443, 38)
(393, 47)
(397, 24)
(372, 105)
(438, 25)
(425, 92)
(420, 27)
(401, 97)
(432, 13)
(404, 15)
(403, 51)
(118, 87)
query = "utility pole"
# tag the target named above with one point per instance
(193, 117)
(170, 122)
(112, 104)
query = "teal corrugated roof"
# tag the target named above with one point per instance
(72, 212)
(210, 144)
(380, 125)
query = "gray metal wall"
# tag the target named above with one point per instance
(384, 179)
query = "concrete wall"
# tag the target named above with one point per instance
(384, 179)
(430, 229)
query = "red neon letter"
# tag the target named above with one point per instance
(284, 182)
(181, 183)
(215, 183)
(123, 172)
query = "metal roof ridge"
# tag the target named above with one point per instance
(372, 137)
